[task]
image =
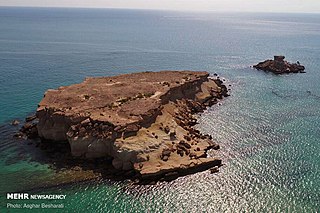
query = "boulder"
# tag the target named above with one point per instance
(31, 118)
(15, 122)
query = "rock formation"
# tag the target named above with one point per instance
(280, 66)
(143, 120)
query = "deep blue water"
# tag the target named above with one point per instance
(268, 129)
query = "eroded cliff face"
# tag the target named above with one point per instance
(143, 120)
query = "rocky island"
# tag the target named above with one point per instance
(280, 66)
(144, 121)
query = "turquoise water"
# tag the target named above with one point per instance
(268, 129)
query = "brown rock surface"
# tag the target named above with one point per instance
(142, 120)
(280, 66)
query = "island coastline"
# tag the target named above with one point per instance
(148, 132)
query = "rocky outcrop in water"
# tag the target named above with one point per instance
(144, 121)
(28, 129)
(280, 66)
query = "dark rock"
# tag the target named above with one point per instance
(187, 138)
(172, 135)
(180, 152)
(202, 155)
(212, 102)
(129, 173)
(187, 152)
(19, 135)
(214, 169)
(30, 130)
(140, 165)
(15, 122)
(26, 127)
(167, 129)
(213, 145)
(82, 131)
(181, 147)
(33, 132)
(279, 58)
(165, 158)
(192, 155)
(279, 66)
(70, 133)
(186, 145)
(31, 118)
(192, 123)
(166, 153)
(131, 130)
(77, 168)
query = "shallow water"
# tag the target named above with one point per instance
(268, 128)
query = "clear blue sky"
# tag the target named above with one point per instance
(304, 6)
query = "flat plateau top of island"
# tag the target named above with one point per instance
(118, 99)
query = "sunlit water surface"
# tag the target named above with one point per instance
(268, 129)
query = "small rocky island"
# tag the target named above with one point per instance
(144, 121)
(280, 66)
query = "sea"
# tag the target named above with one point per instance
(268, 129)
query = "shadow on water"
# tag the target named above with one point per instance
(61, 168)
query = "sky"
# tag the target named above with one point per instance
(302, 6)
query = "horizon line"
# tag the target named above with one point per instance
(159, 9)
